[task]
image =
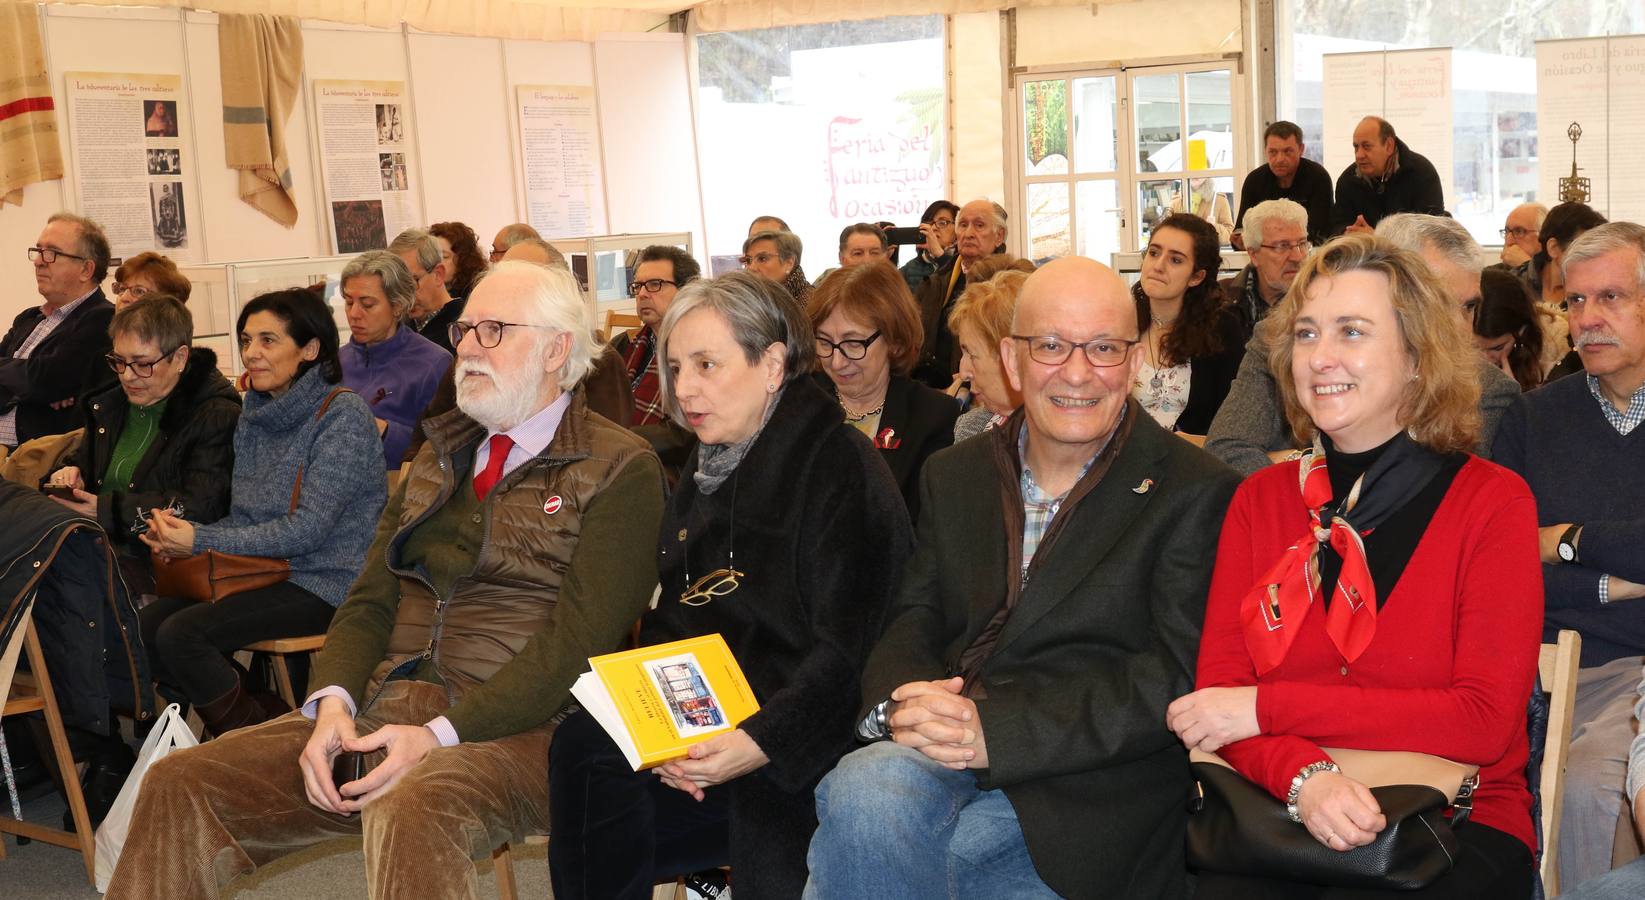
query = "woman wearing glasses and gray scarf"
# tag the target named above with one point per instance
(787, 536)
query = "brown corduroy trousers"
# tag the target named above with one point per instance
(211, 813)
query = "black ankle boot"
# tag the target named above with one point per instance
(235, 709)
(106, 772)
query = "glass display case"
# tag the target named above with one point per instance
(604, 264)
(221, 289)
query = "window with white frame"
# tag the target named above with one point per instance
(822, 126)
(1104, 154)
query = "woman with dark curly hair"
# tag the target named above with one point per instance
(1191, 339)
(460, 251)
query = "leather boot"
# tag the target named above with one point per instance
(235, 709)
(106, 770)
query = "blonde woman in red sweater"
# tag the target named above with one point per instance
(1384, 591)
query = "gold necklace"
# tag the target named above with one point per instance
(856, 417)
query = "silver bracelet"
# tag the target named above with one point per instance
(1307, 772)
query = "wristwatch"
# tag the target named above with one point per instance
(1567, 543)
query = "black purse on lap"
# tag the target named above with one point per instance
(1237, 827)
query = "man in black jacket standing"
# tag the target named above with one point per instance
(1015, 701)
(1387, 177)
(54, 352)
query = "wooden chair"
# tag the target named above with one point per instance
(1557, 666)
(618, 322)
(279, 649)
(33, 693)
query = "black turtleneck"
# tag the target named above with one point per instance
(1390, 545)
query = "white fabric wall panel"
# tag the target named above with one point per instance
(1146, 29)
(234, 230)
(647, 136)
(536, 62)
(462, 108)
(980, 102)
(19, 228)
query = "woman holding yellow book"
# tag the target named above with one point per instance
(787, 536)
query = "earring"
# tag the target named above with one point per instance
(770, 388)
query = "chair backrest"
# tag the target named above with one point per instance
(1557, 666)
(618, 322)
(10, 652)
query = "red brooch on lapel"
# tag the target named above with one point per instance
(887, 439)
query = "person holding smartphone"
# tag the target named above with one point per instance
(937, 224)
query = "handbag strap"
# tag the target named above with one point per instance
(297, 488)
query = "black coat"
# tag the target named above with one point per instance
(1211, 375)
(1414, 188)
(82, 609)
(190, 460)
(818, 527)
(940, 352)
(920, 421)
(1104, 637)
(66, 365)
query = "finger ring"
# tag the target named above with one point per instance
(1330, 837)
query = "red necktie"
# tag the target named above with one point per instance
(485, 481)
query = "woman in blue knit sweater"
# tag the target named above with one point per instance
(296, 423)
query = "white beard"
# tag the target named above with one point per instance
(501, 401)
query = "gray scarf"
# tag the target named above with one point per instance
(716, 462)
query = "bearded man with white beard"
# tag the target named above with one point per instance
(518, 544)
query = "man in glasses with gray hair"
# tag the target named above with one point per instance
(1014, 707)
(54, 352)
(519, 544)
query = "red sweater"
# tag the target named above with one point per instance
(1450, 669)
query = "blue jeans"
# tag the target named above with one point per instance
(894, 823)
(1626, 883)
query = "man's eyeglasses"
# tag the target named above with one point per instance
(1516, 233)
(1054, 351)
(1286, 248)
(852, 349)
(651, 286)
(49, 255)
(761, 258)
(489, 332)
(717, 583)
(136, 291)
(138, 367)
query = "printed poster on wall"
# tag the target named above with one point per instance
(560, 156)
(1410, 88)
(1598, 84)
(129, 160)
(365, 162)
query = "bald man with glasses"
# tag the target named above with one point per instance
(54, 352)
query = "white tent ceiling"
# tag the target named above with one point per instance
(583, 19)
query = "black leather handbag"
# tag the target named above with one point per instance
(1237, 827)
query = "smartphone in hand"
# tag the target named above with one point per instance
(348, 766)
(60, 491)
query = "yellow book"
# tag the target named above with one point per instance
(656, 702)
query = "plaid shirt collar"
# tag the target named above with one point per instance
(1038, 507)
(1623, 422)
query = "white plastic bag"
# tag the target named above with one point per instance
(170, 733)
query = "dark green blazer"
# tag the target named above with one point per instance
(1104, 637)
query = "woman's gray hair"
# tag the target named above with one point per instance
(788, 243)
(398, 286)
(1603, 239)
(759, 313)
(1288, 211)
(557, 302)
